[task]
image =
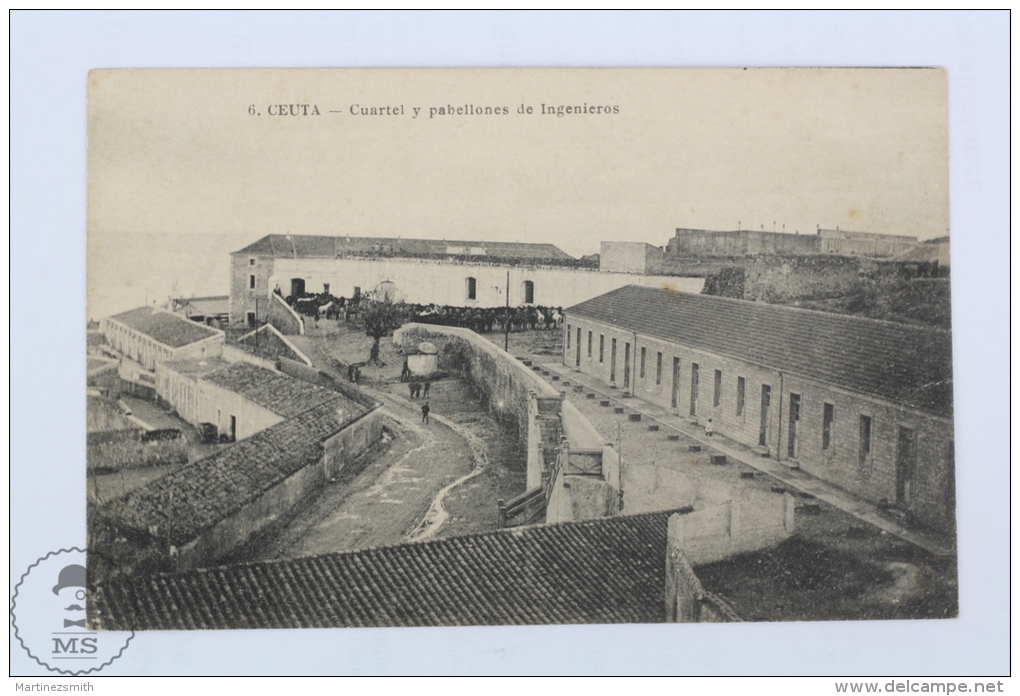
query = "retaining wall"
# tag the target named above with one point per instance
(507, 386)
(718, 532)
(237, 529)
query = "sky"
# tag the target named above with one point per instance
(185, 166)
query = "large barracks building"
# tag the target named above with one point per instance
(421, 271)
(861, 403)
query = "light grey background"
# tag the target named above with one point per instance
(51, 54)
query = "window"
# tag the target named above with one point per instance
(568, 336)
(717, 394)
(865, 440)
(741, 386)
(529, 292)
(602, 347)
(325, 288)
(828, 415)
(251, 262)
(658, 367)
(589, 344)
(642, 362)
(251, 282)
(472, 289)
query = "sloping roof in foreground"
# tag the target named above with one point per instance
(905, 364)
(316, 246)
(600, 571)
(187, 502)
(169, 329)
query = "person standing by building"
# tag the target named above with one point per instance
(709, 428)
(425, 392)
(425, 413)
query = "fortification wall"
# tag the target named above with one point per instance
(504, 382)
(506, 385)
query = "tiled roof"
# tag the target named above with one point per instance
(283, 395)
(185, 503)
(905, 364)
(609, 570)
(312, 246)
(169, 329)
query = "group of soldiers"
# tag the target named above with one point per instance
(489, 319)
(478, 319)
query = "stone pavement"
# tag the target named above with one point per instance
(794, 478)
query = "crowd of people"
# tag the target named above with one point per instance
(478, 319)
(489, 319)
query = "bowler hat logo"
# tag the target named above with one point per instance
(50, 617)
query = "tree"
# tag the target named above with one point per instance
(381, 316)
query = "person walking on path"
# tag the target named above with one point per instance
(425, 393)
(410, 388)
(425, 413)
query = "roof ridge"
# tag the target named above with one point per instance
(769, 306)
(619, 519)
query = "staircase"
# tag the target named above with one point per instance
(527, 508)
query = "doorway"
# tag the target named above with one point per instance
(675, 399)
(612, 363)
(297, 287)
(791, 446)
(233, 428)
(577, 360)
(626, 365)
(766, 414)
(906, 464)
(694, 389)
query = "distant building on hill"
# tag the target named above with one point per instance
(735, 243)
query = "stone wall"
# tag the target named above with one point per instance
(301, 371)
(686, 599)
(738, 526)
(507, 385)
(504, 383)
(780, 279)
(233, 532)
(283, 317)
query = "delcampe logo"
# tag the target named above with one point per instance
(48, 611)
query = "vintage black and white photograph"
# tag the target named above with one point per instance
(404, 348)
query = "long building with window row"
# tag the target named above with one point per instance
(861, 403)
(419, 271)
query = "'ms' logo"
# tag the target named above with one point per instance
(86, 646)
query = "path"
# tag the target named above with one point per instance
(400, 495)
(437, 515)
(838, 498)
